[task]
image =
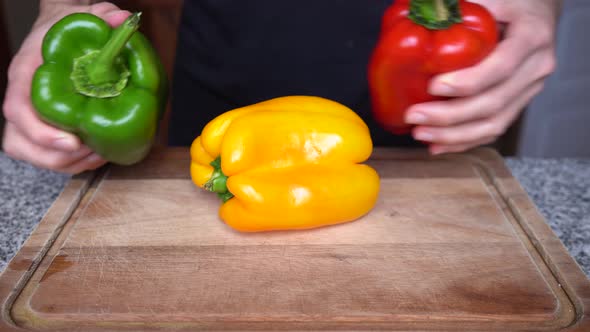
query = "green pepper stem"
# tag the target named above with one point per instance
(435, 14)
(102, 69)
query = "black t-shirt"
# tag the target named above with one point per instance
(235, 53)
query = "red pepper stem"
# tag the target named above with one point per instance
(442, 13)
(102, 69)
(435, 14)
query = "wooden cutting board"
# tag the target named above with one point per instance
(454, 243)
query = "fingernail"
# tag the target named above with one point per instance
(442, 89)
(424, 136)
(65, 143)
(416, 118)
(93, 158)
(436, 151)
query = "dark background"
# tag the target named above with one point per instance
(554, 124)
(5, 54)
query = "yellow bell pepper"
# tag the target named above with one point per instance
(292, 162)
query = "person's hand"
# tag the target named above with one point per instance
(26, 137)
(491, 95)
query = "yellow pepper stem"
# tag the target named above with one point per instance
(218, 182)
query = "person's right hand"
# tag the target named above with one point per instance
(26, 137)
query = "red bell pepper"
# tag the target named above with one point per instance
(420, 39)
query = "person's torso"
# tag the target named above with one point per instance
(234, 53)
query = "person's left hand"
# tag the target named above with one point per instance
(491, 95)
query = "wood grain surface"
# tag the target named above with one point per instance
(454, 243)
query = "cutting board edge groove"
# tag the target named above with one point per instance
(565, 317)
(83, 182)
(580, 319)
(548, 255)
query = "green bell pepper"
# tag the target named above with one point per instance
(105, 85)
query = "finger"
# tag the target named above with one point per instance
(436, 149)
(17, 146)
(102, 8)
(473, 131)
(110, 13)
(19, 110)
(91, 162)
(522, 39)
(499, 9)
(116, 18)
(36, 131)
(459, 110)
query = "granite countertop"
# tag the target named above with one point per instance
(559, 187)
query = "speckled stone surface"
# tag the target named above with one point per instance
(561, 191)
(559, 188)
(26, 193)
